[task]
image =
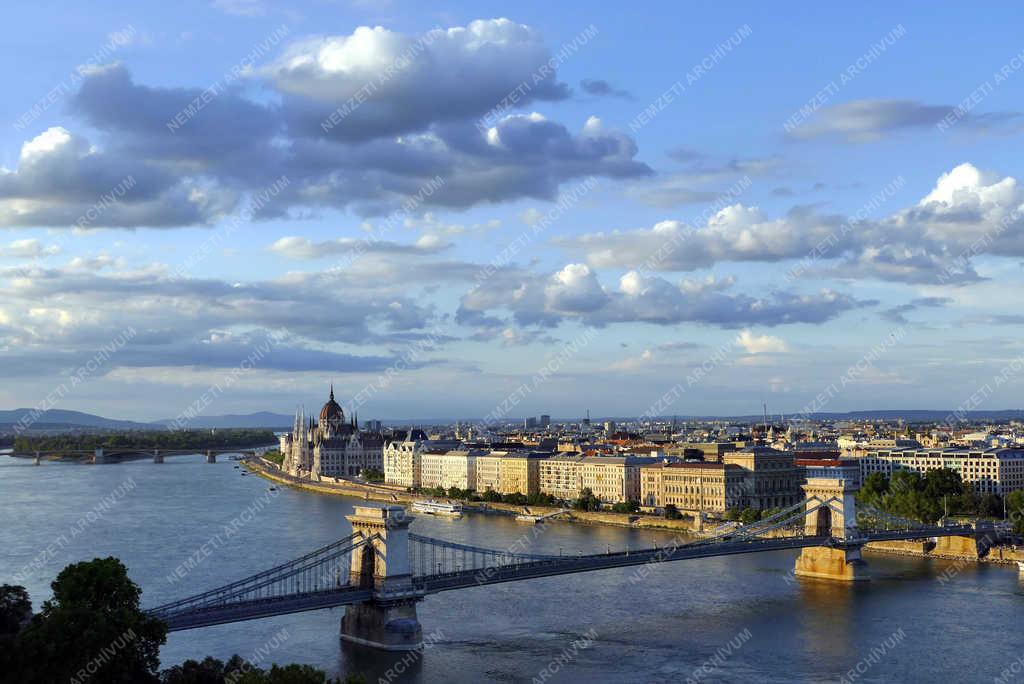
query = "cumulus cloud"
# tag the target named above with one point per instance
(574, 293)
(227, 144)
(388, 83)
(761, 344)
(968, 212)
(62, 180)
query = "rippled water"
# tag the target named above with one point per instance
(663, 629)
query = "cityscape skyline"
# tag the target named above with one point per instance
(241, 202)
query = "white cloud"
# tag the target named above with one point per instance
(761, 344)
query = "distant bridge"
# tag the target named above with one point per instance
(114, 454)
(382, 570)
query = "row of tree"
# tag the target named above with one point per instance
(93, 630)
(927, 498)
(153, 439)
(490, 496)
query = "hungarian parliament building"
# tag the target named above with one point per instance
(330, 446)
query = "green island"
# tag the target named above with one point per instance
(93, 630)
(146, 439)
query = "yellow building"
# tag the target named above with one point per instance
(519, 474)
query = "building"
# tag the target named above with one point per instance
(693, 487)
(613, 479)
(403, 459)
(756, 477)
(561, 476)
(519, 474)
(449, 468)
(708, 451)
(772, 478)
(488, 472)
(545, 420)
(989, 471)
(330, 446)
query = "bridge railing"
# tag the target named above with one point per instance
(323, 569)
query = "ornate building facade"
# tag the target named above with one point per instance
(330, 446)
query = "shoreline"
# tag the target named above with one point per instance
(385, 494)
(998, 555)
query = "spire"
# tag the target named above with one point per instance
(332, 391)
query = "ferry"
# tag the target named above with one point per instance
(432, 507)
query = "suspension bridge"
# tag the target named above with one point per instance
(382, 570)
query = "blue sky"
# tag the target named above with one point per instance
(813, 186)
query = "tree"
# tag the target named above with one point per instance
(990, 506)
(92, 627)
(626, 507)
(1015, 509)
(587, 501)
(749, 515)
(672, 512)
(874, 489)
(943, 482)
(492, 496)
(15, 609)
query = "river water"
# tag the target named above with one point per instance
(742, 618)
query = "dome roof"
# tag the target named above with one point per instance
(331, 410)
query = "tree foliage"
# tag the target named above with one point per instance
(587, 501)
(92, 629)
(155, 439)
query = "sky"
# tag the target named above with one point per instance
(506, 209)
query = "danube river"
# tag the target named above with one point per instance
(743, 618)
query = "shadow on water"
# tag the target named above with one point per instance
(383, 666)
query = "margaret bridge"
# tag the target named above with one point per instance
(382, 570)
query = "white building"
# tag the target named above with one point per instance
(446, 469)
(990, 471)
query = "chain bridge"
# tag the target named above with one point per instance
(382, 570)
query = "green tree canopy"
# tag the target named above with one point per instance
(92, 629)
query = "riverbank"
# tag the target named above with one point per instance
(388, 494)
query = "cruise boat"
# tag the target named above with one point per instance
(438, 508)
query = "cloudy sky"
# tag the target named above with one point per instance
(440, 206)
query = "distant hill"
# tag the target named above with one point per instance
(59, 419)
(260, 419)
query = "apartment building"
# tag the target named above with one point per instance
(488, 472)
(613, 479)
(990, 471)
(561, 476)
(520, 474)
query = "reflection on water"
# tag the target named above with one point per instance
(660, 628)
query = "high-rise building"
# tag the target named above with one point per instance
(545, 420)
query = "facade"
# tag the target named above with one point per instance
(709, 451)
(561, 476)
(330, 446)
(989, 471)
(402, 465)
(757, 477)
(450, 468)
(488, 472)
(693, 487)
(519, 474)
(613, 479)
(772, 478)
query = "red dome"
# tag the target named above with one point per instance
(331, 410)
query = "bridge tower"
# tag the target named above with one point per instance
(837, 520)
(210, 456)
(157, 456)
(388, 620)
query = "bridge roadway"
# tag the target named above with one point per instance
(533, 569)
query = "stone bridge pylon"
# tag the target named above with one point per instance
(388, 620)
(832, 512)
